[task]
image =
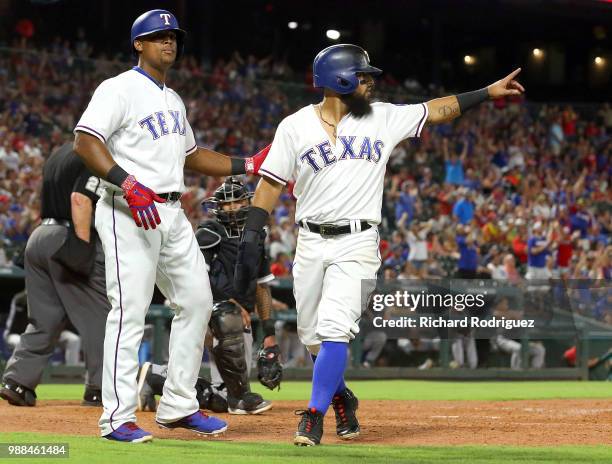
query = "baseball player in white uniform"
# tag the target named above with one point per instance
(135, 135)
(337, 151)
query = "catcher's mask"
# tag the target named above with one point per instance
(226, 207)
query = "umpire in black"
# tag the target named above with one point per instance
(64, 267)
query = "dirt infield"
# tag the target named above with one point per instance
(540, 422)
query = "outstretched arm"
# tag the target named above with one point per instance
(446, 109)
(211, 163)
(266, 194)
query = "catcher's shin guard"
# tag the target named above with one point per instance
(229, 354)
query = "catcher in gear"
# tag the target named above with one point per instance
(231, 346)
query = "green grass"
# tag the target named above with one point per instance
(95, 450)
(408, 390)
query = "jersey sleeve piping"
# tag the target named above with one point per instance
(423, 119)
(89, 130)
(272, 176)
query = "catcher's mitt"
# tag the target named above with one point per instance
(269, 369)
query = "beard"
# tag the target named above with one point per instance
(358, 105)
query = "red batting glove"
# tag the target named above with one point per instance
(141, 201)
(252, 164)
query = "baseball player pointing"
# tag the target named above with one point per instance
(337, 151)
(135, 135)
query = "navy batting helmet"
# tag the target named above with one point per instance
(336, 67)
(155, 21)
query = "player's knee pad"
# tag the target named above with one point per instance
(229, 352)
(226, 321)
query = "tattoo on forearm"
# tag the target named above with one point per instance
(447, 111)
(263, 298)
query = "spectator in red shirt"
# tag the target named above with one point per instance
(519, 243)
(385, 249)
(565, 250)
(279, 267)
(569, 122)
(445, 201)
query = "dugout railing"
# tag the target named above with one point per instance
(591, 337)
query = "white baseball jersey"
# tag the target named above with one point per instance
(345, 181)
(144, 126)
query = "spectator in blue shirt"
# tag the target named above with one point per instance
(580, 220)
(537, 253)
(454, 164)
(282, 210)
(470, 180)
(397, 260)
(406, 204)
(404, 208)
(468, 254)
(463, 210)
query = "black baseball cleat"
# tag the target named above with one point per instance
(92, 397)
(310, 428)
(345, 404)
(250, 403)
(17, 395)
(146, 396)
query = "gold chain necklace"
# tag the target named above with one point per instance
(328, 123)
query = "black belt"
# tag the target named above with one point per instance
(332, 229)
(56, 222)
(172, 196)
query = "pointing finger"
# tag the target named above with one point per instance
(513, 74)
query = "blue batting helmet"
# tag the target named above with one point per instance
(155, 21)
(336, 67)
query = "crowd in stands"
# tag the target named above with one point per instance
(512, 189)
